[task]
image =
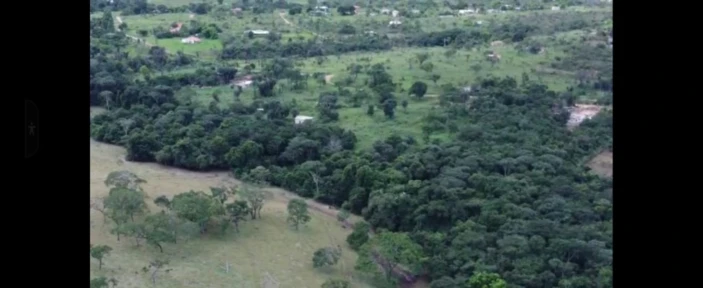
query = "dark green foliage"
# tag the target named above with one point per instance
(336, 283)
(298, 213)
(102, 282)
(99, 252)
(359, 236)
(327, 256)
(419, 89)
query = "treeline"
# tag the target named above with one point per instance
(245, 48)
(506, 194)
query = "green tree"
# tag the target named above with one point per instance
(158, 230)
(370, 110)
(405, 105)
(298, 212)
(343, 215)
(486, 280)
(99, 252)
(336, 283)
(124, 179)
(394, 248)
(155, 267)
(255, 197)
(327, 256)
(359, 236)
(126, 202)
(427, 67)
(389, 108)
(422, 57)
(435, 78)
(237, 212)
(419, 89)
(102, 282)
(196, 207)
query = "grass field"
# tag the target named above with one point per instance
(267, 246)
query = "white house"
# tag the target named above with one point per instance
(394, 22)
(385, 11)
(190, 40)
(555, 8)
(466, 11)
(258, 32)
(395, 13)
(300, 119)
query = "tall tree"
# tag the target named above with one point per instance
(196, 207)
(102, 282)
(125, 201)
(298, 212)
(155, 267)
(419, 89)
(99, 252)
(237, 212)
(255, 196)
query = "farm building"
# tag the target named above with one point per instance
(385, 11)
(394, 23)
(190, 40)
(466, 11)
(177, 28)
(258, 32)
(300, 119)
(555, 8)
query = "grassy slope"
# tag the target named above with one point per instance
(267, 245)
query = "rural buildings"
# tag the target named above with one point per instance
(300, 119)
(555, 8)
(190, 40)
(258, 32)
(466, 11)
(177, 28)
(385, 11)
(394, 23)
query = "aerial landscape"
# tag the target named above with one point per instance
(336, 144)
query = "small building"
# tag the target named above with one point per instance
(479, 22)
(177, 28)
(395, 13)
(394, 23)
(300, 119)
(258, 32)
(466, 11)
(237, 11)
(385, 11)
(556, 8)
(260, 109)
(190, 40)
(415, 11)
(357, 9)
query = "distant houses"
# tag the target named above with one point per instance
(394, 23)
(258, 32)
(466, 11)
(300, 119)
(190, 40)
(556, 8)
(177, 28)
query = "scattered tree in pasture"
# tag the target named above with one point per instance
(124, 179)
(370, 110)
(102, 282)
(405, 105)
(327, 256)
(123, 201)
(298, 212)
(422, 57)
(99, 252)
(237, 212)
(389, 108)
(336, 283)
(255, 196)
(418, 89)
(155, 267)
(196, 207)
(162, 201)
(427, 67)
(435, 78)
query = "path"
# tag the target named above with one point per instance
(283, 16)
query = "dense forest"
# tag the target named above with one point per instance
(508, 193)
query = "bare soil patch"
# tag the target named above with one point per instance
(582, 112)
(602, 164)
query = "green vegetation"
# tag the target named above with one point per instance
(448, 135)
